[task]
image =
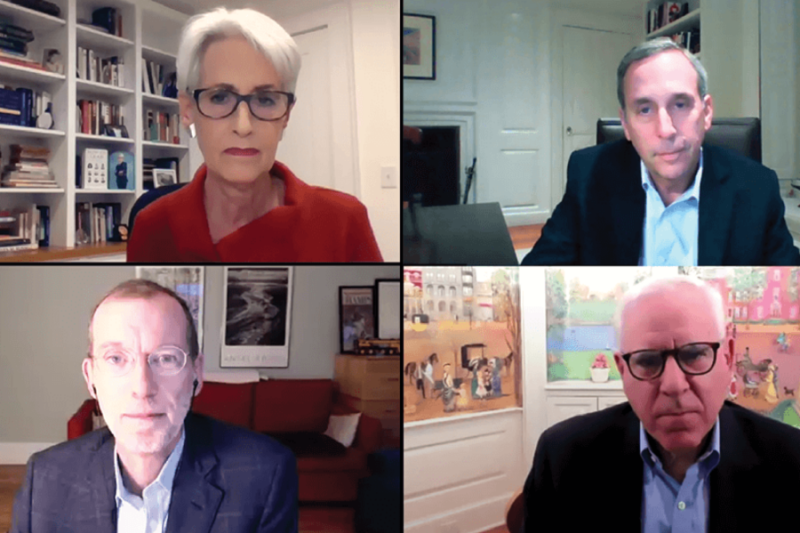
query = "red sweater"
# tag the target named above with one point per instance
(314, 225)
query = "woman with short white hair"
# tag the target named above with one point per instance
(236, 74)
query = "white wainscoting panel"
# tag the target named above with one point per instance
(461, 472)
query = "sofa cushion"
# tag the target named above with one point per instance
(292, 405)
(354, 460)
(306, 444)
(228, 402)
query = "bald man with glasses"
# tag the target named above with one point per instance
(157, 467)
(677, 456)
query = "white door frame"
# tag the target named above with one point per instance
(561, 17)
(336, 18)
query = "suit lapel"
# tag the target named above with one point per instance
(626, 201)
(195, 499)
(631, 476)
(716, 209)
(100, 478)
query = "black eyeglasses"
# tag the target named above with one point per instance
(216, 103)
(695, 359)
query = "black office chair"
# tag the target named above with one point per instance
(148, 198)
(742, 135)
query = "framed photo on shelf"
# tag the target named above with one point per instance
(419, 47)
(187, 282)
(163, 177)
(256, 319)
(356, 316)
(387, 312)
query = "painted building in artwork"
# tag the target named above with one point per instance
(779, 301)
(448, 292)
(484, 306)
(412, 292)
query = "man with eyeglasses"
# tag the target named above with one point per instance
(677, 457)
(156, 467)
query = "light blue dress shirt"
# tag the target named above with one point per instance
(670, 233)
(668, 506)
(147, 514)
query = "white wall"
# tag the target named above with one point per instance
(492, 76)
(376, 52)
(43, 336)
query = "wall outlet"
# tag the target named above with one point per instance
(389, 178)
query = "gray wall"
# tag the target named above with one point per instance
(44, 315)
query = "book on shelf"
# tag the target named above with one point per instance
(95, 222)
(92, 66)
(19, 229)
(665, 13)
(28, 167)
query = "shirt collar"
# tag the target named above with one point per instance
(165, 477)
(706, 457)
(692, 192)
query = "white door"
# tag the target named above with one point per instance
(307, 145)
(590, 61)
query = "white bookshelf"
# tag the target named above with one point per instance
(149, 31)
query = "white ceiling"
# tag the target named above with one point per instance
(273, 8)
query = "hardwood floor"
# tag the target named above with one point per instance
(525, 237)
(313, 519)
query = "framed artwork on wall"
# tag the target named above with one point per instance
(256, 320)
(419, 47)
(187, 282)
(356, 316)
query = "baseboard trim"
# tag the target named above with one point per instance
(18, 453)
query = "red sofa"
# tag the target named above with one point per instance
(294, 412)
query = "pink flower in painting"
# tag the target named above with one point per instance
(600, 361)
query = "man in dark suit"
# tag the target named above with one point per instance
(658, 199)
(156, 467)
(677, 456)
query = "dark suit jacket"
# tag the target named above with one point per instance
(600, 219)
(228, 480)
(588, 472)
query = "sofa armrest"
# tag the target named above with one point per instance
(81, 422)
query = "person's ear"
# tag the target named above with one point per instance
(199, 373)
(186, 109)
(620, 363)
(88, 377)
(624, 124)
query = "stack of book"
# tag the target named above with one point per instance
(95, 223)
(28, 168)
(14, 42)
(21, 229)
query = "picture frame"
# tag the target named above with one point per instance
(356, 316)
(188, 282)
(419, 47)
(388, 310)
(121, 171)
(256, 317)
(163, 177)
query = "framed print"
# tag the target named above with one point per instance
(164, 176)
(256, 319)
(356, 316)
(187, 282)
(419, 47)
(388, 295)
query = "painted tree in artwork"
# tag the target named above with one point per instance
(794, 280)
(748, 284)
(509, 302)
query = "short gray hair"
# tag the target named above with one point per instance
(266, 36)
(651, 48)
(652, 285)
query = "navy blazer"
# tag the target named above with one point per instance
(588, 473)
(600, 220)
(228, 480)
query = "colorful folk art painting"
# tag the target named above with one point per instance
(461, 341)
(762, 316)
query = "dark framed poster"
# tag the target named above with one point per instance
(419, 47)
(257, 317)
(356, 316)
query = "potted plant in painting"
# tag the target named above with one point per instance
(600, 369)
